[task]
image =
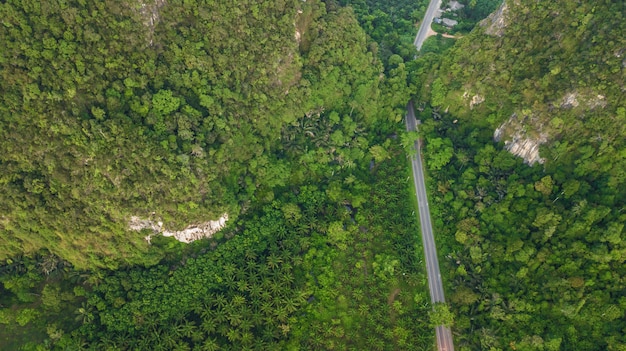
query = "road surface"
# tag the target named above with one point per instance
(435, 285)
(422, 33)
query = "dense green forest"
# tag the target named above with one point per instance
(107, 115)
(472, 12)
(391, 24)
(307, 271)
(287, 115)
(535, 250)
(279, 113)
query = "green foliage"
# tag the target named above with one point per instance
(535, 252)
(25, 316)
(479, 9)
(277, 283)
(436, 44)
(164, 102)
(43, 297)
(521, 244)
(379, 153)
(7, 316)
(391, 24)
(439, 153)
(105, 116)
(439, 92)
(473, 12)
(441, 315)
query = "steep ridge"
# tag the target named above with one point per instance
(116, 109)
(531, 181)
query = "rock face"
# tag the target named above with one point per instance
(496, 22)
(476, 100)
(150, 14)
(570, 100)
(518, 142)
(187, 235)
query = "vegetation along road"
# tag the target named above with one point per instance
(422, 33)
(444, 335)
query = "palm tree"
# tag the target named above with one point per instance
(210, 344)
(275, 287)
(243, 286)
(267, 307)
(281, 313)
(247, 338)
(250, 255)
(274, 261)
(256, 318)
(143, 341)
(185, 329)
(233, 335)
(78, 344)
(123, 340)
(208, 324)
(220, 301)
(230, 269)
(234, 318)
(169, 339)
(229, 281)
(251, 268)
(266, 295)
(317, 341)
(288, 278)
(181, 346)
(269, 331)
(84, 314)
(206, 311)
(255, 291)
(290, 305)
(238, 300)
(263, 270)
(260, 344)
(220, 315)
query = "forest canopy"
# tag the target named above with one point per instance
(287, 116)
(279, 113)
(536, 243)
(176, 111)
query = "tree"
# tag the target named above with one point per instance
(438, 93)
(441, 315)
(379, 153)
(439, 152)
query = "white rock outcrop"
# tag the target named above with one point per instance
(518, 142)
(191, 233)
(570, 100)
(150, 12)
(476, 100)
(497, 21)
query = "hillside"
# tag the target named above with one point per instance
(170, 111)
(524, 126)
(167, 115)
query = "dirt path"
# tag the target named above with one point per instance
(431, 32)
(392, 297)
(390, 300)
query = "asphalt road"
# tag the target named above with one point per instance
(426, 22)
(435, 285)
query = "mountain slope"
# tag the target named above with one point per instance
(173, 111)
(537, 242)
